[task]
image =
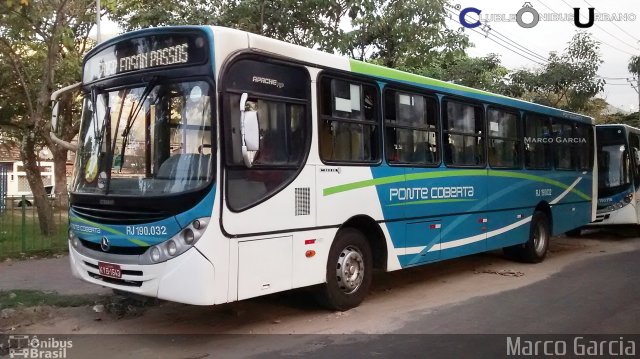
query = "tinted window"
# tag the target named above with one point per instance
(284, 129)
(564, 142)
(348, 126)
(464, 127)
(504, 144)
(584, 149)
(411, 128)
(537, 142)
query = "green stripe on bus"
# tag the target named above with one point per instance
(110, 230)
(444, 174)
(380, 71)
(428, 201)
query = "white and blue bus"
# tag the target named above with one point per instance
(618, 175)
(215, 165)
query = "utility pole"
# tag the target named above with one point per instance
(637, 88)
(98, 21)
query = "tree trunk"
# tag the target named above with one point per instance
(34, 177)
(60, 172)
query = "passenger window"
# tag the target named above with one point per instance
(349, 125)
(584, 148)
(411, 128)
(504, 142)
(463, 127)
(564, 144)
(537, 142)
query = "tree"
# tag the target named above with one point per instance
(634, 68)
(634, 65)
(569, 80)
(483, 73)
(406, 35)
(41, 45)
(400, 34)
(137, 14)
(308, 23)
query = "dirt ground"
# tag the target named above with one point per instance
(394, 296)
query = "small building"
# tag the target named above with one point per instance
(15, 182)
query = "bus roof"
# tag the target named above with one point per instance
(627, 127)
(326, 60)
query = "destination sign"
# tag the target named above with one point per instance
(143, 53)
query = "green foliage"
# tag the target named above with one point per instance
(484, 73)
(568, 81)
(308, 22)
(631, 119)
(41, 44)
(137, 14)
(402, 34)
(634, 65)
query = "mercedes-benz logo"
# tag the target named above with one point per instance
(104, 244)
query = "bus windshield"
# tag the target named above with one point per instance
(614, 172)
(147, 140)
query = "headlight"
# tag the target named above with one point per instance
(73, 239)
(628, 198)
(155, 254)
(188, 236)
(172, 248)
(176, 245)
(196, 224)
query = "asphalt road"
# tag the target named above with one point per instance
(599, 295)
(596, 296)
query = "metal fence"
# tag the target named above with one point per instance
(20, 228)
(3, 187)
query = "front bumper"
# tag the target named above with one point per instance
(624, 215)
(187, 278)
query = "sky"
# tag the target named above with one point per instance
(616, 46)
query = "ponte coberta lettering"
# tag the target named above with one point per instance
(422, 193)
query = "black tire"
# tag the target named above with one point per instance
(574, 232)
(339, 293)
(535, 249)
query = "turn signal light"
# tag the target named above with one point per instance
(310, 253)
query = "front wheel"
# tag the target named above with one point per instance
(349, 271)
(535, 249)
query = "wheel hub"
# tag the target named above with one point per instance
(350, 269)
(539, 239)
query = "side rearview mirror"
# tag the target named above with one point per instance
(55, 108)
(250, 132)
(54, 116)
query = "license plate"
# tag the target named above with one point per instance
(110, 270)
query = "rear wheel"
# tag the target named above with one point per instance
(535, 249)
(349, 271)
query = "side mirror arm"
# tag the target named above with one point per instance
(54, 116)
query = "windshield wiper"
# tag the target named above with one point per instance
(133, 115)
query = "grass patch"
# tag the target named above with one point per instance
(32, 298)
(20, 232)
